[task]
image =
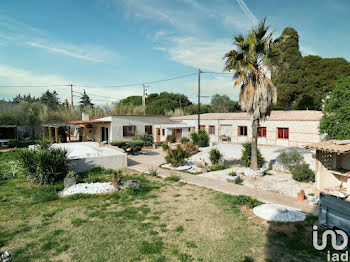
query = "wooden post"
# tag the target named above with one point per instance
(69, 134)
(50, 137)
(84, 134)
(56, 134)
(43, 132)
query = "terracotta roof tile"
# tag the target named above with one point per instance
(331, 146)
(293, 115)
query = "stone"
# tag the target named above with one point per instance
(132, 183)
(6, 256)
(201, 163)
(234, 179)
(69, 181)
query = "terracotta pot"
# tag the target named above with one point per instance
(301, 195)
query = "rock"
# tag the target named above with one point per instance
(6, 256)
(257, 173)
(197, 170)
(69, 181)
(234, 179)
(132, 183)
(201, 163)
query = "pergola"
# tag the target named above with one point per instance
(87, 123)
(56, 127)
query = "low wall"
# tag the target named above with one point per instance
(108, 162)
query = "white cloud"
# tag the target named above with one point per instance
(91, 53)
(307, 51)
(24, 82)
(200, 54)
(16, 33)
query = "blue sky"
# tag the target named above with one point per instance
(97, 43)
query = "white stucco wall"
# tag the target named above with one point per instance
(300, 132)
(117, 123)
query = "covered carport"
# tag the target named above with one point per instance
(8, 132)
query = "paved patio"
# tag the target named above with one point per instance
(153, 158)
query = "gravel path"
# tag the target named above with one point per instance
(88, 188)
(276, 212)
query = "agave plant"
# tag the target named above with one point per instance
(176, 157)
(44, 165)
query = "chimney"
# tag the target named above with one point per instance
(85, 116)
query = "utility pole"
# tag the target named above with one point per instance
(71, 96)
(143, 99)
(199, 99)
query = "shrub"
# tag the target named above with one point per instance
(153, 171)
(190, 146)
(147, 139)
(185, 140)
(130, 146)
(176, 157)
(241, 200)
(302, 172)
(247, 155)
(201, 138)
(165, 146)
(215, 156)
(116, 177)
(13, 143)
(44, 165)
(71, 174)
(46, 193)
(171, 139)
(291, 158)
(217, 167)
(232, 173)
(172, 178)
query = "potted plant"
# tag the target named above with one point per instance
(70, 179)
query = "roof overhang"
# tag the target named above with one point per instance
(332, 146)
(87, 122)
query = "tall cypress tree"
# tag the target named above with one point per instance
(289, 75)
(85, 102)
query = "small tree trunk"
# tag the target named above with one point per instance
(254, 155)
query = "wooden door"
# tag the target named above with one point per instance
(158, 134)
(177, 133)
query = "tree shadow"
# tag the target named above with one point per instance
(292, 241)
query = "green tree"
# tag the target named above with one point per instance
(223, 104)
(322, 75)
(336, 118)
(193, 109)
(253, 55)
(50, 99)
(85, 102)
(289, 74)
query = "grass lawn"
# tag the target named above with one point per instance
(166, 220)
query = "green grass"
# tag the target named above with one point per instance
(172, 178)
(143, 225)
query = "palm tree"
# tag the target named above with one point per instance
(254, 55)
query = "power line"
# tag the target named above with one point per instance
(145, 83)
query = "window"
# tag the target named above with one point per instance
(202, 127)
(283, 133)
(242, 131)
(211, 130)
(129, 130)
(262, 131)
(163, 132)
(148, 130)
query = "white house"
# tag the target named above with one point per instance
(281, 128)
(121, 127)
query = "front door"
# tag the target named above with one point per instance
(158, 134)
(104, 134)
(177, 133)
